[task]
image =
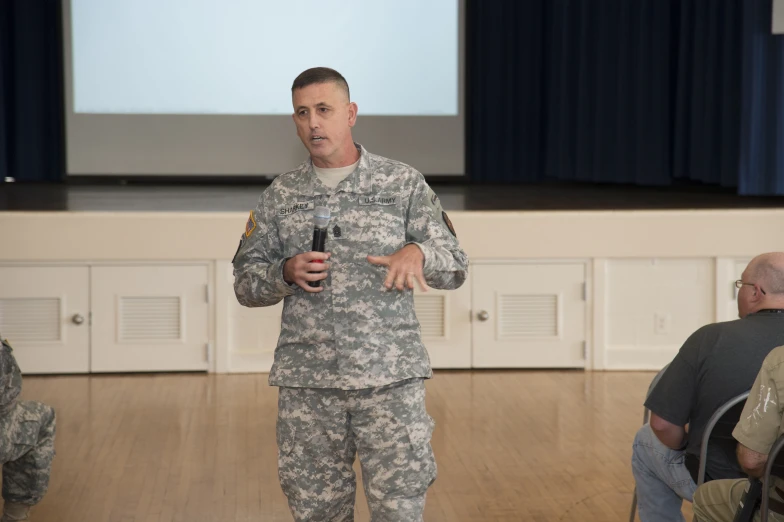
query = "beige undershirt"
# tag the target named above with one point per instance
(333, 177)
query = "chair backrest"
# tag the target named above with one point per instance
(656, 379)
(773, 468)
(719, 428)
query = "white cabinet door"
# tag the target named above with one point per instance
(445, 322)
(149, 318)
(528, 315)
(44, 314)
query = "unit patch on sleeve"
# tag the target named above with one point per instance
(250, 226)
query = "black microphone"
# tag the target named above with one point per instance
(320, 222)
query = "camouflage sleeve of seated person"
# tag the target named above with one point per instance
(27, 430)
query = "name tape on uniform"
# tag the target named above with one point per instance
(297, 207)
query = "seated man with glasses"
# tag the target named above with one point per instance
(718, 362)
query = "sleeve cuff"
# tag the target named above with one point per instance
(427, 253)
(276, 277)
(750, 442)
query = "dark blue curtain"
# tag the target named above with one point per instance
(707, 97)
(646, 92)
(761, 161)
(649, 92)
(31, 99)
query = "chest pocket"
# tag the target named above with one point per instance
(295, 231)
(375, 225)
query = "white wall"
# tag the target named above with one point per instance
(651, 306)
(653, 276)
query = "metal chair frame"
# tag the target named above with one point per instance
(766, 478)
(717, 415)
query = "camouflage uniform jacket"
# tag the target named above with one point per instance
(10, 379)
(354, 334)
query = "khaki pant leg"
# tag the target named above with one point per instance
(718, 500)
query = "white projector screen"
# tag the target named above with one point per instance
(778, 17)
(184, 87)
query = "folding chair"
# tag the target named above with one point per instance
(766, 478)
(732, 409)
(736, 402)
(645, 416)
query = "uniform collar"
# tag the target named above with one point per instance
(358, 182)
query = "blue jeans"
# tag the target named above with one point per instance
(663, 481)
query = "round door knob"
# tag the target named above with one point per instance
(483, 315)
(77, 319)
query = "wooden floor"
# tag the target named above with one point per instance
(510, 446)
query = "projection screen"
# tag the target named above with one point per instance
(202, 87)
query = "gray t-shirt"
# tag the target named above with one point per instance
(718, 362)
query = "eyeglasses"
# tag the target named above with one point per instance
(739, 284)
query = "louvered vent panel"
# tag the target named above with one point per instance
(30, 319)
(525, 316)
(150, 319)
(431, 312)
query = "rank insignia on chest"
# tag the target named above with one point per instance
(336, 232)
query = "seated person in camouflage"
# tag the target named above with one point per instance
(761, 423)
(26, 442)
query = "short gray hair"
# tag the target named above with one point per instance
(320, 75)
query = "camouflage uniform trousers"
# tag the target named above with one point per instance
(320, 431)
(26, 451)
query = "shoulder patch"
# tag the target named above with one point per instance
(250, 226)
(242, 240)
(448, 223)
(433, 202)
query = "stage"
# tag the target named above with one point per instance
(111, 195)
(619, 277)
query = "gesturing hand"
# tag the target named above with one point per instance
(405, 265)
(298, 270)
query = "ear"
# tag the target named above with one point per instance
(352, 114)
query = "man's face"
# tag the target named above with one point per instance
(324, 117)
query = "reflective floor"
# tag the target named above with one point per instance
(510, 446)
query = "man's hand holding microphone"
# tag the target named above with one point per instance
(308, 269)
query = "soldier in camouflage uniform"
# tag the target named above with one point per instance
(350, 362)
(26, 442)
